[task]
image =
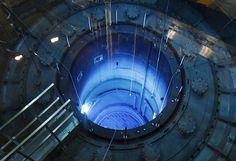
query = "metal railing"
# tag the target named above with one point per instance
(48, 129)
(26, 107)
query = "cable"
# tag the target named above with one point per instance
(133, 60)
(113, 136)
(160, 48)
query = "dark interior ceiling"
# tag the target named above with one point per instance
(220, 15)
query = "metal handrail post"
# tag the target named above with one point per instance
(26, 107)
(35, 131)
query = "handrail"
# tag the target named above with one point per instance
(35, 131)
(31, 123)
(48, 136)
(26, 107)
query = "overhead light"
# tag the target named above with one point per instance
(35, 54)
(85, 108)
(18, 57)
(54, 39)
(206, 51)
(170, 35)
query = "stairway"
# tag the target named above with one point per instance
(42, 134)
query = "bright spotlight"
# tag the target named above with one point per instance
(18, 57)
(154, 115)
(54, 39)
(85, 108)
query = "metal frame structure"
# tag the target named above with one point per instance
(60, 117)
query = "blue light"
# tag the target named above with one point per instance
(85, 108)
(154, 115)
(118, 94)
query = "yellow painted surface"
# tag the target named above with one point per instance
(206, 2)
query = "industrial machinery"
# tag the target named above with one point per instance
(134, 80)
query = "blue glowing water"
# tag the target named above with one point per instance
(120, 96)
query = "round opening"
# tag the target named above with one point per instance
(122, 96)
(123, 80)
